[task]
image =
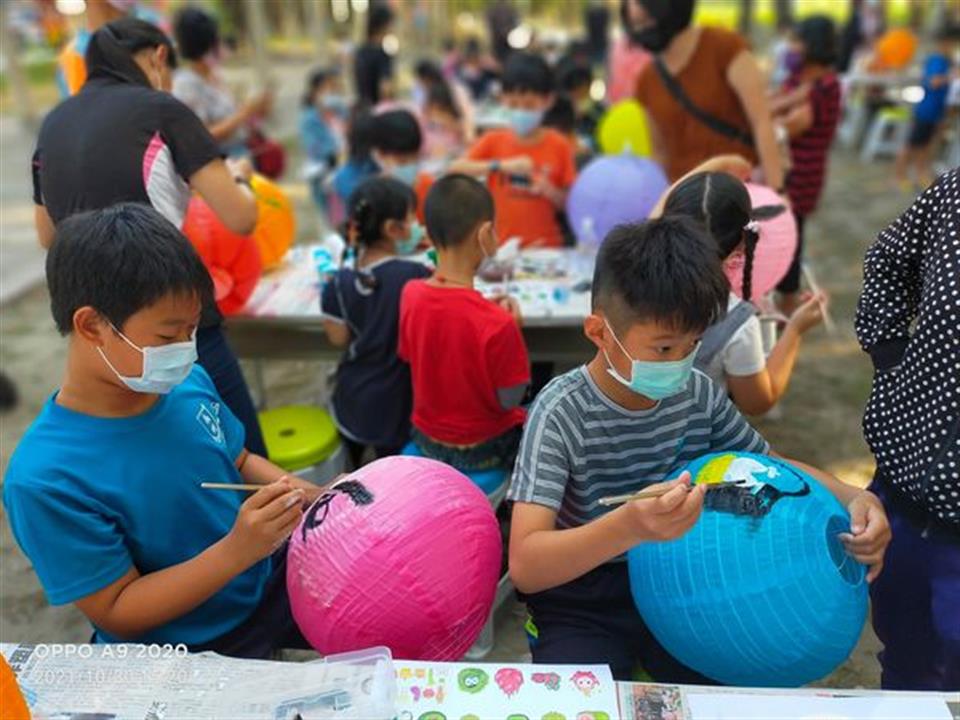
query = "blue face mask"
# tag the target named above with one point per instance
(164, 366)
(333, 102)
(524, 122)
(655, 380)
(409, 244)
(406, 173)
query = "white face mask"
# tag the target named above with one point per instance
(164, 366)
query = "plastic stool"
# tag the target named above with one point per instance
(303, 439)
(887, 133)
(492, 482)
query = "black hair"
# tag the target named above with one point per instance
(397, 132)
(472, 49)
(372, 203)
(573, 74)
(527, 72)
(112, 47)
(819, 37)
(315, 79)
(429, 71)
(379, 19)
(721, 203)
(196, 32)
(360, 133)
(561, 116)
(441, 97)
(439, 92)
(455, 206)
(665, 270)
(672, 16)
(120, 260)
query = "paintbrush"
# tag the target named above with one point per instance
(650, 494)
(253, 488)
(231, 486)
(828, 323)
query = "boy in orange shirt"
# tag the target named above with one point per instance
(529, 168)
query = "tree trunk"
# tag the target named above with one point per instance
(317, 21)
(257, 19)
(783, 13)
(21, 92)
(745, 23)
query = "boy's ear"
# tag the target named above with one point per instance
(90, 325)
(596, 330)
(488, 231)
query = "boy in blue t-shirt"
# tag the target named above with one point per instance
(631, 417)
(928, 114)
(103, 492)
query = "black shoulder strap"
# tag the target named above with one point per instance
(714, 123)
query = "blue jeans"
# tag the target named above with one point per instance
(217, 358)
(916, 600)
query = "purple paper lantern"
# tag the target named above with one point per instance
(611, 190)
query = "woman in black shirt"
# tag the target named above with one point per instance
(123, 139)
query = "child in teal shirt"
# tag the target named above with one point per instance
(103, 492)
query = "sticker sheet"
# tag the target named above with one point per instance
(509, 691)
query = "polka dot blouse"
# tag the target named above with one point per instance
(908, 320)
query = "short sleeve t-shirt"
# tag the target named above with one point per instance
(455, 391)
(119, 142)
(934, 103)
(520, 213)
(688, 142)
(371, 66)
(88, 498)
(372, 400)
(742, 355)
(209, 99)
(579, 446)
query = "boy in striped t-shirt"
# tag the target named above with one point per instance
(630, 418)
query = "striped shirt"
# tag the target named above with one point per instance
(579, 446)
(808, 151)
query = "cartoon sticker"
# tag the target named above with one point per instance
(472, 680)
(549, 680)
(509, 680)
(585, 681)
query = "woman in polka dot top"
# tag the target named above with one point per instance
(908, 320)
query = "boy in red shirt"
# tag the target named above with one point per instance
(468, 361)
(529, 168)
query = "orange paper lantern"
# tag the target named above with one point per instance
(12, 704)
(895, 49)
(276, 224)
(233, 260)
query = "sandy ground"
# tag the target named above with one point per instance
(820, 420)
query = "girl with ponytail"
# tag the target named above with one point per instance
(372, 401)
(731, 352)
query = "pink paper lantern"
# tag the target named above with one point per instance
(405, 553)
(775, 249)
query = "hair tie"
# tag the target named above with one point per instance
(752, 226)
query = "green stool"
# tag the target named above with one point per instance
(303, 440)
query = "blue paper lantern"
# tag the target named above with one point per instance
(611, 190)
(760, 592)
